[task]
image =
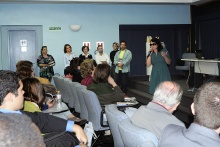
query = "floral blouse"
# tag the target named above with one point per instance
(46, 72)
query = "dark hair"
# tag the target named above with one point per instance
(123, 42)
(68, 70)
(33, 91)
(157, 41)
(65, 47)
(24, 72)
(86, 68)
(101, 73)
(9, 83)
(24, 63)
(85, 47)
(99, 46)
(42, 49)
(19, 130)
(207, 105)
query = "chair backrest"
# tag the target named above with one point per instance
(81, 95)
(188, 56)
(134, 136)
(114, 117)
(55, 79)
(68, 93)
(94, 110)
(63, 89)
(74, 100)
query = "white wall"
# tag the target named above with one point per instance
(100, 22)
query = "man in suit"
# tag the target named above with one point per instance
(158, 113)
(205, 129)
(11, 101)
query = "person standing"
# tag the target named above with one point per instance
(68, 55)
(46, 63)
(101, 57)
(115, 47)
(122, 60)
(159, 58)
(85, 54)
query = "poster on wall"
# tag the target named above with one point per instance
(86, 44)
(100, 43)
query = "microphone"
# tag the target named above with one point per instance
(149, 54)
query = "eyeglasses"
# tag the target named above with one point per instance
(153, 44)
(49, 95)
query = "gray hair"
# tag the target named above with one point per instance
(168, 93)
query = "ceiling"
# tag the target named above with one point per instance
(191, 2)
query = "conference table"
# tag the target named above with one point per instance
(202, 66)
(205, 66)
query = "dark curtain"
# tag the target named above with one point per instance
(208, 37)
(175, 38)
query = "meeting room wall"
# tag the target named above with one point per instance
(100, 22)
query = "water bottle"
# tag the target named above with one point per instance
(59, 100)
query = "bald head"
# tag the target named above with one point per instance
(168, 93)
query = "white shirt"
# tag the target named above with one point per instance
(99, 58)
(67, 58)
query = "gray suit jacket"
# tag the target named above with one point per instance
(154, 118)
(194, 136)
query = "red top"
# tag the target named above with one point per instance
(87, 81)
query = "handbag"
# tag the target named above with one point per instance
(89, 131)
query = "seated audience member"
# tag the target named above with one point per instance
(158, 113)
(18, 130)
(11, 101)
(25, 69)
(34, 97)
(205, 129)
(86, 70)
(104, 86)
(24, 72)
(75, 65)
(68, 72)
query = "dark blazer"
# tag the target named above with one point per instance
(83, 56)
(47, 123)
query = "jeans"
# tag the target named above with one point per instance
(122, 80)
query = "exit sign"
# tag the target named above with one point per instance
(54, 28)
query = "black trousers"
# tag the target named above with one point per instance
(122, 80)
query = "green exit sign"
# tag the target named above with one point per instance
(54, 28)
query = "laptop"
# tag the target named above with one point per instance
(199, 54)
